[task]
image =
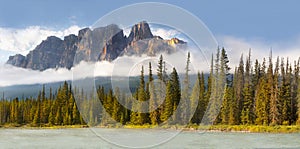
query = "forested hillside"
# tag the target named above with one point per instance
(256, 93)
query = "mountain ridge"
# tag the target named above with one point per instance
(100, 44)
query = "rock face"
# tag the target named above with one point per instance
(46, 55)
(140, 31)
(103, 43)
(92, 42)
(17, 60)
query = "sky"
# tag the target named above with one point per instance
(270, 20)
(237, 25)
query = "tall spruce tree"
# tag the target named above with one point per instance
(176, 95)
(224, 83)
(274, 112)
(142, 117)
(238, 92)
(168, 105)
(195, 100)
(247, 115)
(298, 104)
(154, 115)
(185, 96)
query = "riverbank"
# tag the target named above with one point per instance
(228, 128)
(28, 126)
(254, 128)
(212, 128)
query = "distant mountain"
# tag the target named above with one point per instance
(103, 43)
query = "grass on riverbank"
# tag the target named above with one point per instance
(257, 128)
(228, 128)
(29, 126)
(222, 128)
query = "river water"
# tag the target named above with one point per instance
(120, 138)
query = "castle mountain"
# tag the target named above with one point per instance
(99, 44)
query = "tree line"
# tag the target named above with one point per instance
(256, 93)
(54, 109)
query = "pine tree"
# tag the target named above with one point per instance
(185, 96)
(238, 93)
(37, 115)
(142, 117)
(160, 68)
(168, 106)
(154, 115)
(294, 85)
(286, 95)
(58, 117)
(36, 119)
(75, 115)
(208, 93)
(161, 86)
(116, 115)
(165, 75)
(176, 95)
(195, 99)
(198, 93)
(274, 112)
(298, 105)
(261, 104)
(51, 118)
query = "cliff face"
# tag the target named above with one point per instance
(17, 60)
(46, 55)
(140, 31)
(103, 43)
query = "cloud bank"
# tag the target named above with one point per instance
(259, 49)
(165, 33)
(122, 66)
(24, 40)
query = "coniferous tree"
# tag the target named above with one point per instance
(261, 104)
(176, 95)
(286, 96)
(117, 111)
(294, 92)
(160, 68)
(274, 112)
(168, 106)
(154, 111)
(58, 117)
(298, 104)
(232, 119)
(51, 118)
(37, 115)
(238, 92)
(36, 119)
(247, 115)
(185, 96)
(161, 86)
(208, 93)
(198, 93)
(142, 117)
(195, 100)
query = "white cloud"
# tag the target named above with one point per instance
(24, 40)
(259, 49)
(165, 33)
(122, 66)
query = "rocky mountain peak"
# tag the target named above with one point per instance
(140, 31)
(16, 60)
(103, 43)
